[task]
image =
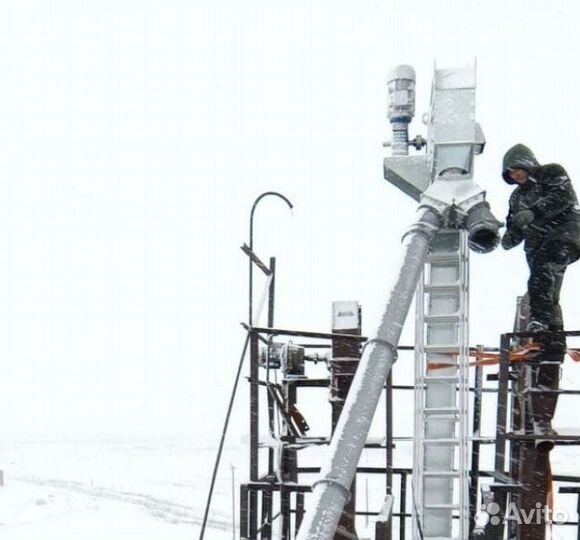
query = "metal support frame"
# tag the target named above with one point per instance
(254, 431)
(289, 494)
(503, 488)
(514, 483)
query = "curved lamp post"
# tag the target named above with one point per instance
(244, 349)
(251, 273)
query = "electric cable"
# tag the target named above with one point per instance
(227, 420)
(223, 437)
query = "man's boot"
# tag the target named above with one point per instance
(544, 401)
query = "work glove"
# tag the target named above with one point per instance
(522, 219)
(508, 240)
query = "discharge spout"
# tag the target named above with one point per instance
(482, 228)
(331, 490)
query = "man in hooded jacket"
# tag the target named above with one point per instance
(544, 214)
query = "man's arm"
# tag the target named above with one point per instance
(559, 194)
(513, 235)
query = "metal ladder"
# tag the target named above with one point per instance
(440, 467)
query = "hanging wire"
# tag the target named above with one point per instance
(223, 437)
(226, 424)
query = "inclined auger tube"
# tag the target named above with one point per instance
(331, 491)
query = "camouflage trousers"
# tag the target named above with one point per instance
(547, 268)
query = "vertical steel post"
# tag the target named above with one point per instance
(285, 512)
(500, 493)
(475, 445)
(343, 365)
(254, 430)
(267, 495)
(266, 533)
(389, 444)
(299, 509)
(578, 521)
(502, 405)
(403, 518)
(271, 293)
(289, 464)
(244, 528)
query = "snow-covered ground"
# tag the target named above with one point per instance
(156, 488)
(146, 490)
(118, 489)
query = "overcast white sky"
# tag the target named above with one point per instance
(134, 137)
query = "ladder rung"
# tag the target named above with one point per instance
(449, 349)
(441, 378)
(441, 410)
(441, 506)
(447, 256)
(441, 473)
(441, 442)
(443, 287)
(453, 318)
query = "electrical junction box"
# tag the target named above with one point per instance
(345, 316)
(293, 361)
(271, 356)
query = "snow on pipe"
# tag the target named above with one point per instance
(332, 489)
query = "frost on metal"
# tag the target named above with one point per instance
(463, 77)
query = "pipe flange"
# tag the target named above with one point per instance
(424, 226)
(331, 481)
(384, 343)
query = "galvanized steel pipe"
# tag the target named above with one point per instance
(332, 489)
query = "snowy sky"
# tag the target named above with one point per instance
(135, 135)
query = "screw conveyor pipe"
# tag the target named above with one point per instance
(332, 489)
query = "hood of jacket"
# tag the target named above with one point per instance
(518, 157)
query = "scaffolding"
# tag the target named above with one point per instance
(272, 502)
(272, 505)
